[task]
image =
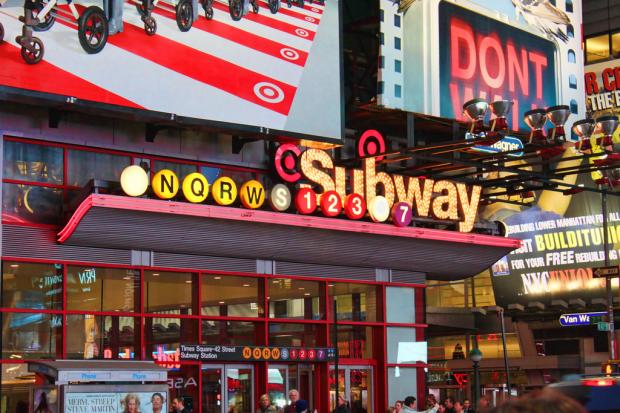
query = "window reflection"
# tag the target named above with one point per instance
(31, 335)
(33, 163)
(102, 337)
(230, 296)
(168, 292)
(180, 169)
(290, 298)
(36, 286)
(231, 333)
(293, 335)
(355, 342)
(355, 302)
(86, 165)
(165, 335)
(16, 381)
(102, 289)
(27, 203)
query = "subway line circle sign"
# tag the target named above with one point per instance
(201, 352)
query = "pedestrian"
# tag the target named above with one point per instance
(265, 406)
(545, 401)
(484, 404)
(467, 407)
(458, 407)
(301, 406)
(398, 406)
(449, 403)
(342, 406)
(178, 405)
(409, 405)
(293, 396)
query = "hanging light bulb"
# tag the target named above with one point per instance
(476, 110)
(557, 115)
(500, 109)
(536, 119)
(584, 129)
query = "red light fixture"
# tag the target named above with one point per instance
(599, 382)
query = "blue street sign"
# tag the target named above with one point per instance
(507, 143)
(579, 319)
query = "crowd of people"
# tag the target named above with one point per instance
(449, 405)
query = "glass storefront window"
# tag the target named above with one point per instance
(102, 337)
(27, 203)
(31, 336)
(492, 347)
(445, 294)
(403, 348)
(165, 335)
(28, 285)
(231, 333)
(102, 289)
(239, 383)
(289, 298)
(355, 342)
(180, 169)
(615, 44)
(483, 288)
(400, 305)
(183, 383)
(86, 165)
(224, 295)
(168, 292)
(16, 382)
(212, 173)
(355, 302)
(597, 48)
(293, 335)
(402, 382)
(276, 383)
(33, 163)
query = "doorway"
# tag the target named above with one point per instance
(284, 377)
(355, 383)
(227, 388)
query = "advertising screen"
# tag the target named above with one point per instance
(276, 72)
(438, 54)
(563, 242)
(116, 399)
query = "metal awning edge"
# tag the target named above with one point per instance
(274, 218)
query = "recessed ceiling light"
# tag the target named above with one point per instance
(331, 285)
(188, 282)
(155, 274)
(246, 285)
(306, 293)
(217, 278)
(301, 288)
(222, 302)
(14, 265)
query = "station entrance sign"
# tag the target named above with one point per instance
(202, 352)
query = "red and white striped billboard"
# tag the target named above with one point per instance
(274, 71)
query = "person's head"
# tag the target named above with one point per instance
(301, 406)
(293, 395)
(458, 406)
(449, 402)
(341, 400)
(132, 403)
(545, 401)
(398, 405)
(431, 400)
(466, 404)
(157, 401)
(442, 408)
(264, 400)
(484, 402)
(177, 403)
(410, 402)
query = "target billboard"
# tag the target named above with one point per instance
(438, 54)
(272, 66)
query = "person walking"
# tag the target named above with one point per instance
(342, 406)
(449, 403)
(265, 405)
(178, 405)
(409, 407)
(467, 407)
(398, 406)
(293, 396)
(458, 407)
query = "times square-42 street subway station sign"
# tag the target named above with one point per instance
(202, 352)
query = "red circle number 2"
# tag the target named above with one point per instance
(331, 204)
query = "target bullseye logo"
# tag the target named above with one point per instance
(314, 9)
(371, 143)
(289, 54)
(285, 162)
(302, 33)
(268, 92)
(310, 19)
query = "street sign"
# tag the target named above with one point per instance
(580, 319)
(603, 272)
(603, 326)
(208, 352)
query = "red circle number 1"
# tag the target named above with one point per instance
(305, 201)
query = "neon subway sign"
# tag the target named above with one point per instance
(318, 185)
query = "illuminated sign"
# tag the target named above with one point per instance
(323, 187)
(198, 352)
(581, 319)
(603, 86)
(481, 56)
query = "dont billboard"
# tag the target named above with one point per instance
(254, 63)
(438, 54)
